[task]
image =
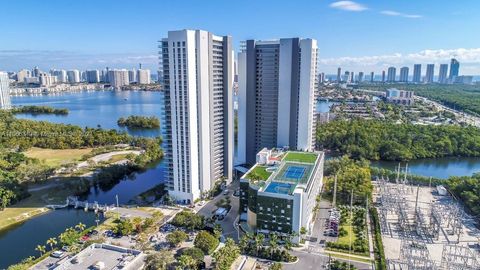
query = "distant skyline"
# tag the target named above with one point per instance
(355, 35)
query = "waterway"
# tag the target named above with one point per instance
(103, 108)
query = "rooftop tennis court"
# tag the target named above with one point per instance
(295, 173)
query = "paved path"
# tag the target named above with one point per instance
(106, 157)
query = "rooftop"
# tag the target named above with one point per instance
(282, 172)
(104, 256)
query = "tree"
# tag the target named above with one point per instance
(160, 260)
(80, 226)
(41, 249)
(52, 242)
(187, 263)
(276, 266)
(195, 253)
(6, 196)
(189, 220)
(206, 242)
(176, 237)
(273, 242)
(69, 237)
(217, 231)
(226, 255)
(259, 238)
(123, 226)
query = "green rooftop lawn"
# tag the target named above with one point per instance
(301, 157)
(261, 171)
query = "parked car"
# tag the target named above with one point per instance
(57, 254)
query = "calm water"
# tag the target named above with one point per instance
(20, 241)
(99, 108)
(439, 168)
(90, 109)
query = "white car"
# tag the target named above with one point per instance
(57, 254)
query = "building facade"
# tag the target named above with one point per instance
(197, 69)
(429, 73)
(282, 198)
(276, 96)
(73, 76)
(401, 97)
(417, 73)
(118, 78)
(454, 69)
(442, 74)
(392, 74)
(4, 91)
(143, 76)
(93, 76)
(404, 74)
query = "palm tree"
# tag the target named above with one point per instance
(80, 226)
(52, 242)
(273, 243)
(41, 249)
(159, 260)
(187, 262)
(259, 242)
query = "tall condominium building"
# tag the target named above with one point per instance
(360, 76)
(4, 91)
(372, 76)
(383, 75)
(454, 69)
(346, 76)
(339, 74)
(417, 73)
(352, 77)
(73, 76)
(276, 96)
(143, 76)
(118, 77)
(93, 76)
(321, 77)
(404, 74)
(197, 68)
(442, 74)
(22, 74)
(429, 73)
(132, 76)
(61, 75)
(47, 79)
(392, 74)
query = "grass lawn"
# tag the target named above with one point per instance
(57, 157)
(346, 257)
(346, 238)
(301, 157)
(261, 171)
(117, 158)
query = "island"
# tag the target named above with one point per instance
(134, 121)
(40, 110)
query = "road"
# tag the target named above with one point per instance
(316, 261)
(227, 223)
(461, 116)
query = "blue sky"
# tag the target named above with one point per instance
(357, 35)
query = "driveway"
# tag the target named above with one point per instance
(228, 222)
(317, 261)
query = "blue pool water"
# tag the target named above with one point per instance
(294, 172)
(280, 188)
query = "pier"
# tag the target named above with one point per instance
(73, 201)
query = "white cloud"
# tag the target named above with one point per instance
(348, 5)
(469, 60)
(399, 14)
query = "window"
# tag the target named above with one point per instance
(282, 211)
(279, 228)
(260, 208)
(268, 209)
(288, 206)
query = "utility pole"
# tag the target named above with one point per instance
(350, 234)
(335, 192)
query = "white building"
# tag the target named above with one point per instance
(118, 77)
(402, 97)
(4, 91)
(61, 75)
(132, 76)
(276, 96)
(143, 76)
(197, 68)
(22, 74)
(47, 79)
(73, 76)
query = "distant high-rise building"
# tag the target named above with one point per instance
(404, 74)
(36, 72)
(132, 76)
(429, 73)
(93, 76)
(143, 76)
(339, 75)
(454, 69)
(417, 73)
(321, 77)
(61, 75)
(383, 75)
(4, 91)
(392, 74)
(73, 76)
(352, 77)
(442, 74)
(346, 76)
(279, 93)
(22, 74)
(47, 79)
(372, 76)
(118, 77)
(360, 76)
(197, 68)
